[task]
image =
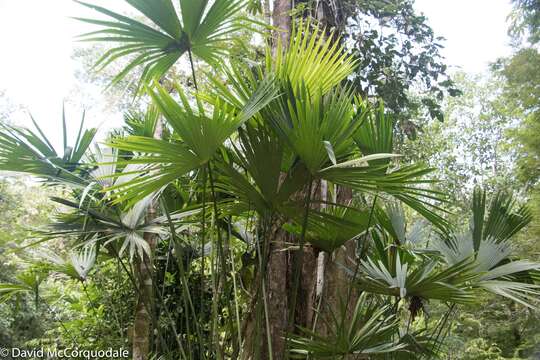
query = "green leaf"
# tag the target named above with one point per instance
(406, 184)
(312, 59)
(205, 31)
(367, 329)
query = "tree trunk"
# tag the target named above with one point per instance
(280, 285)
(142, 326)
(279, 277)
(336, 284)
(143, 318)
(281, 19)
(278, 272)
(272, 286)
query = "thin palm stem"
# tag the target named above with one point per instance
(357, 267)
(187, 295)
(57, 318)
(171, 321)
(191, 63)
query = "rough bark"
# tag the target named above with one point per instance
(142, 325)
(278, 274)
(281, 19)
(330, 13)
(143, 317)
(280, 280)
(271, 290)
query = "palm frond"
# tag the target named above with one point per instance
(201, 27)
(488, 242)
(22, 150)
(369, 330)
(76, 265)
(424, 281)
(311, 59)
(523, 293)
(505, 217)
(200, 136)
(331, 228)
(311, 123)
(28, 282)
(375, 134)
(407, 184)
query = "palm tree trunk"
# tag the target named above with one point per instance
(290, 278)
(277, 275)
(142, 326)
(143, 318)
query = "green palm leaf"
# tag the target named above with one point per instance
(369, 330)
(311, 123)
(424, 281)
(76, 265)
(375, 135)
(488, 243)
(199, 134)
(201, 27)
(329, 229)
(22, 150)
(407, 184)
(28, 282)
(312, 59)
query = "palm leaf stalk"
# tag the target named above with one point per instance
(188, 302)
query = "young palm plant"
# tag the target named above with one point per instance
(489, 244)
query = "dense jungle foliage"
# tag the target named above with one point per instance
(306, 181)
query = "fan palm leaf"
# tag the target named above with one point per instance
(314, 125)
(26, 151)
(76, 265)
(488, 243)
(28, 282)
(330, 228)
(199, 136)
(424, 281)
(311, 59)
(369, 330)
(200, 27)
(500, 220)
